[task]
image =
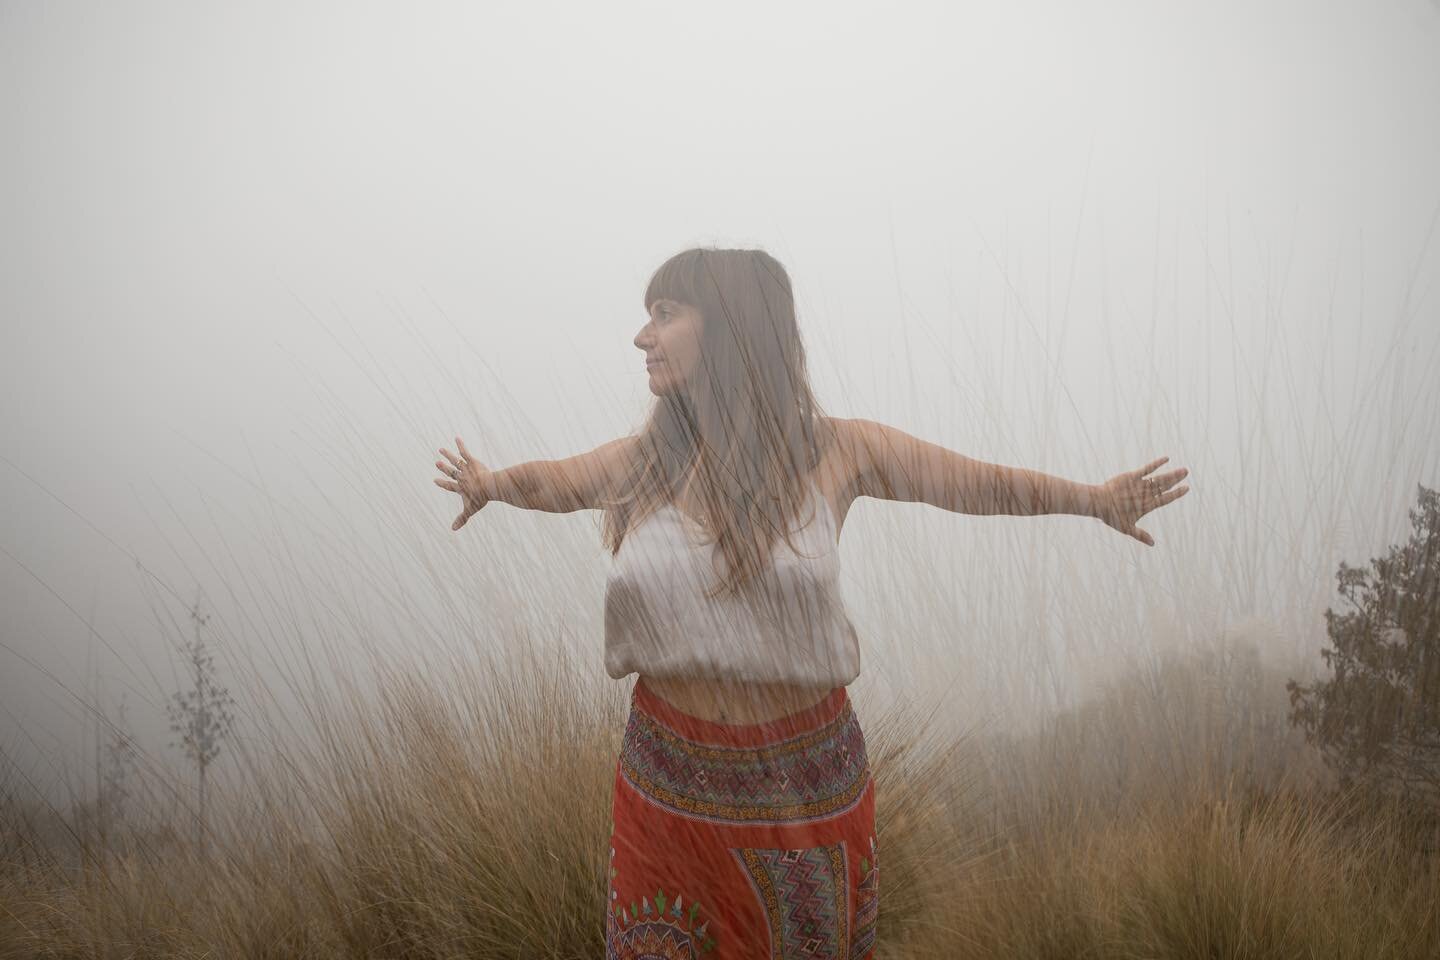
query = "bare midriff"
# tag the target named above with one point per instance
(733, 701)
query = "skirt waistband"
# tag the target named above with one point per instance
(701, 730)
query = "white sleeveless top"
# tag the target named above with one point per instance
(788, 625)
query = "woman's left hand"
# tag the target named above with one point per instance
(1126, 498)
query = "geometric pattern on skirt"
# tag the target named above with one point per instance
(804, 894)
(810, 776)
(867, 905)
(742, 841)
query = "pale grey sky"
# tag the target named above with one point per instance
(261, 260)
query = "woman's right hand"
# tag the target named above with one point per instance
(467, 477)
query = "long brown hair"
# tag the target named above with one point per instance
(748, 425)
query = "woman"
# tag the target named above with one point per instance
(744, 807)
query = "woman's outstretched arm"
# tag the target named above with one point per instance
(554, 486)
(890, 464)
(560, 486)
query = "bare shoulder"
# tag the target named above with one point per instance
(865, 459)
(887, 463)
(840, 461)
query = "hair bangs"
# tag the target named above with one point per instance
(676, 279)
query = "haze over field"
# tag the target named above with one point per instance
(258, 264)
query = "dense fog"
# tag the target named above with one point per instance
(260, 263)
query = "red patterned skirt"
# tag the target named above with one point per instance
(742, 841)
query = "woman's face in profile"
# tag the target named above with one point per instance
(671, 341)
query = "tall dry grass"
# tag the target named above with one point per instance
(431, 822)
(460, 806)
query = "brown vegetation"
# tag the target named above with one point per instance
(1177, 815)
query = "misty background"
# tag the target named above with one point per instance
(260, 262)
